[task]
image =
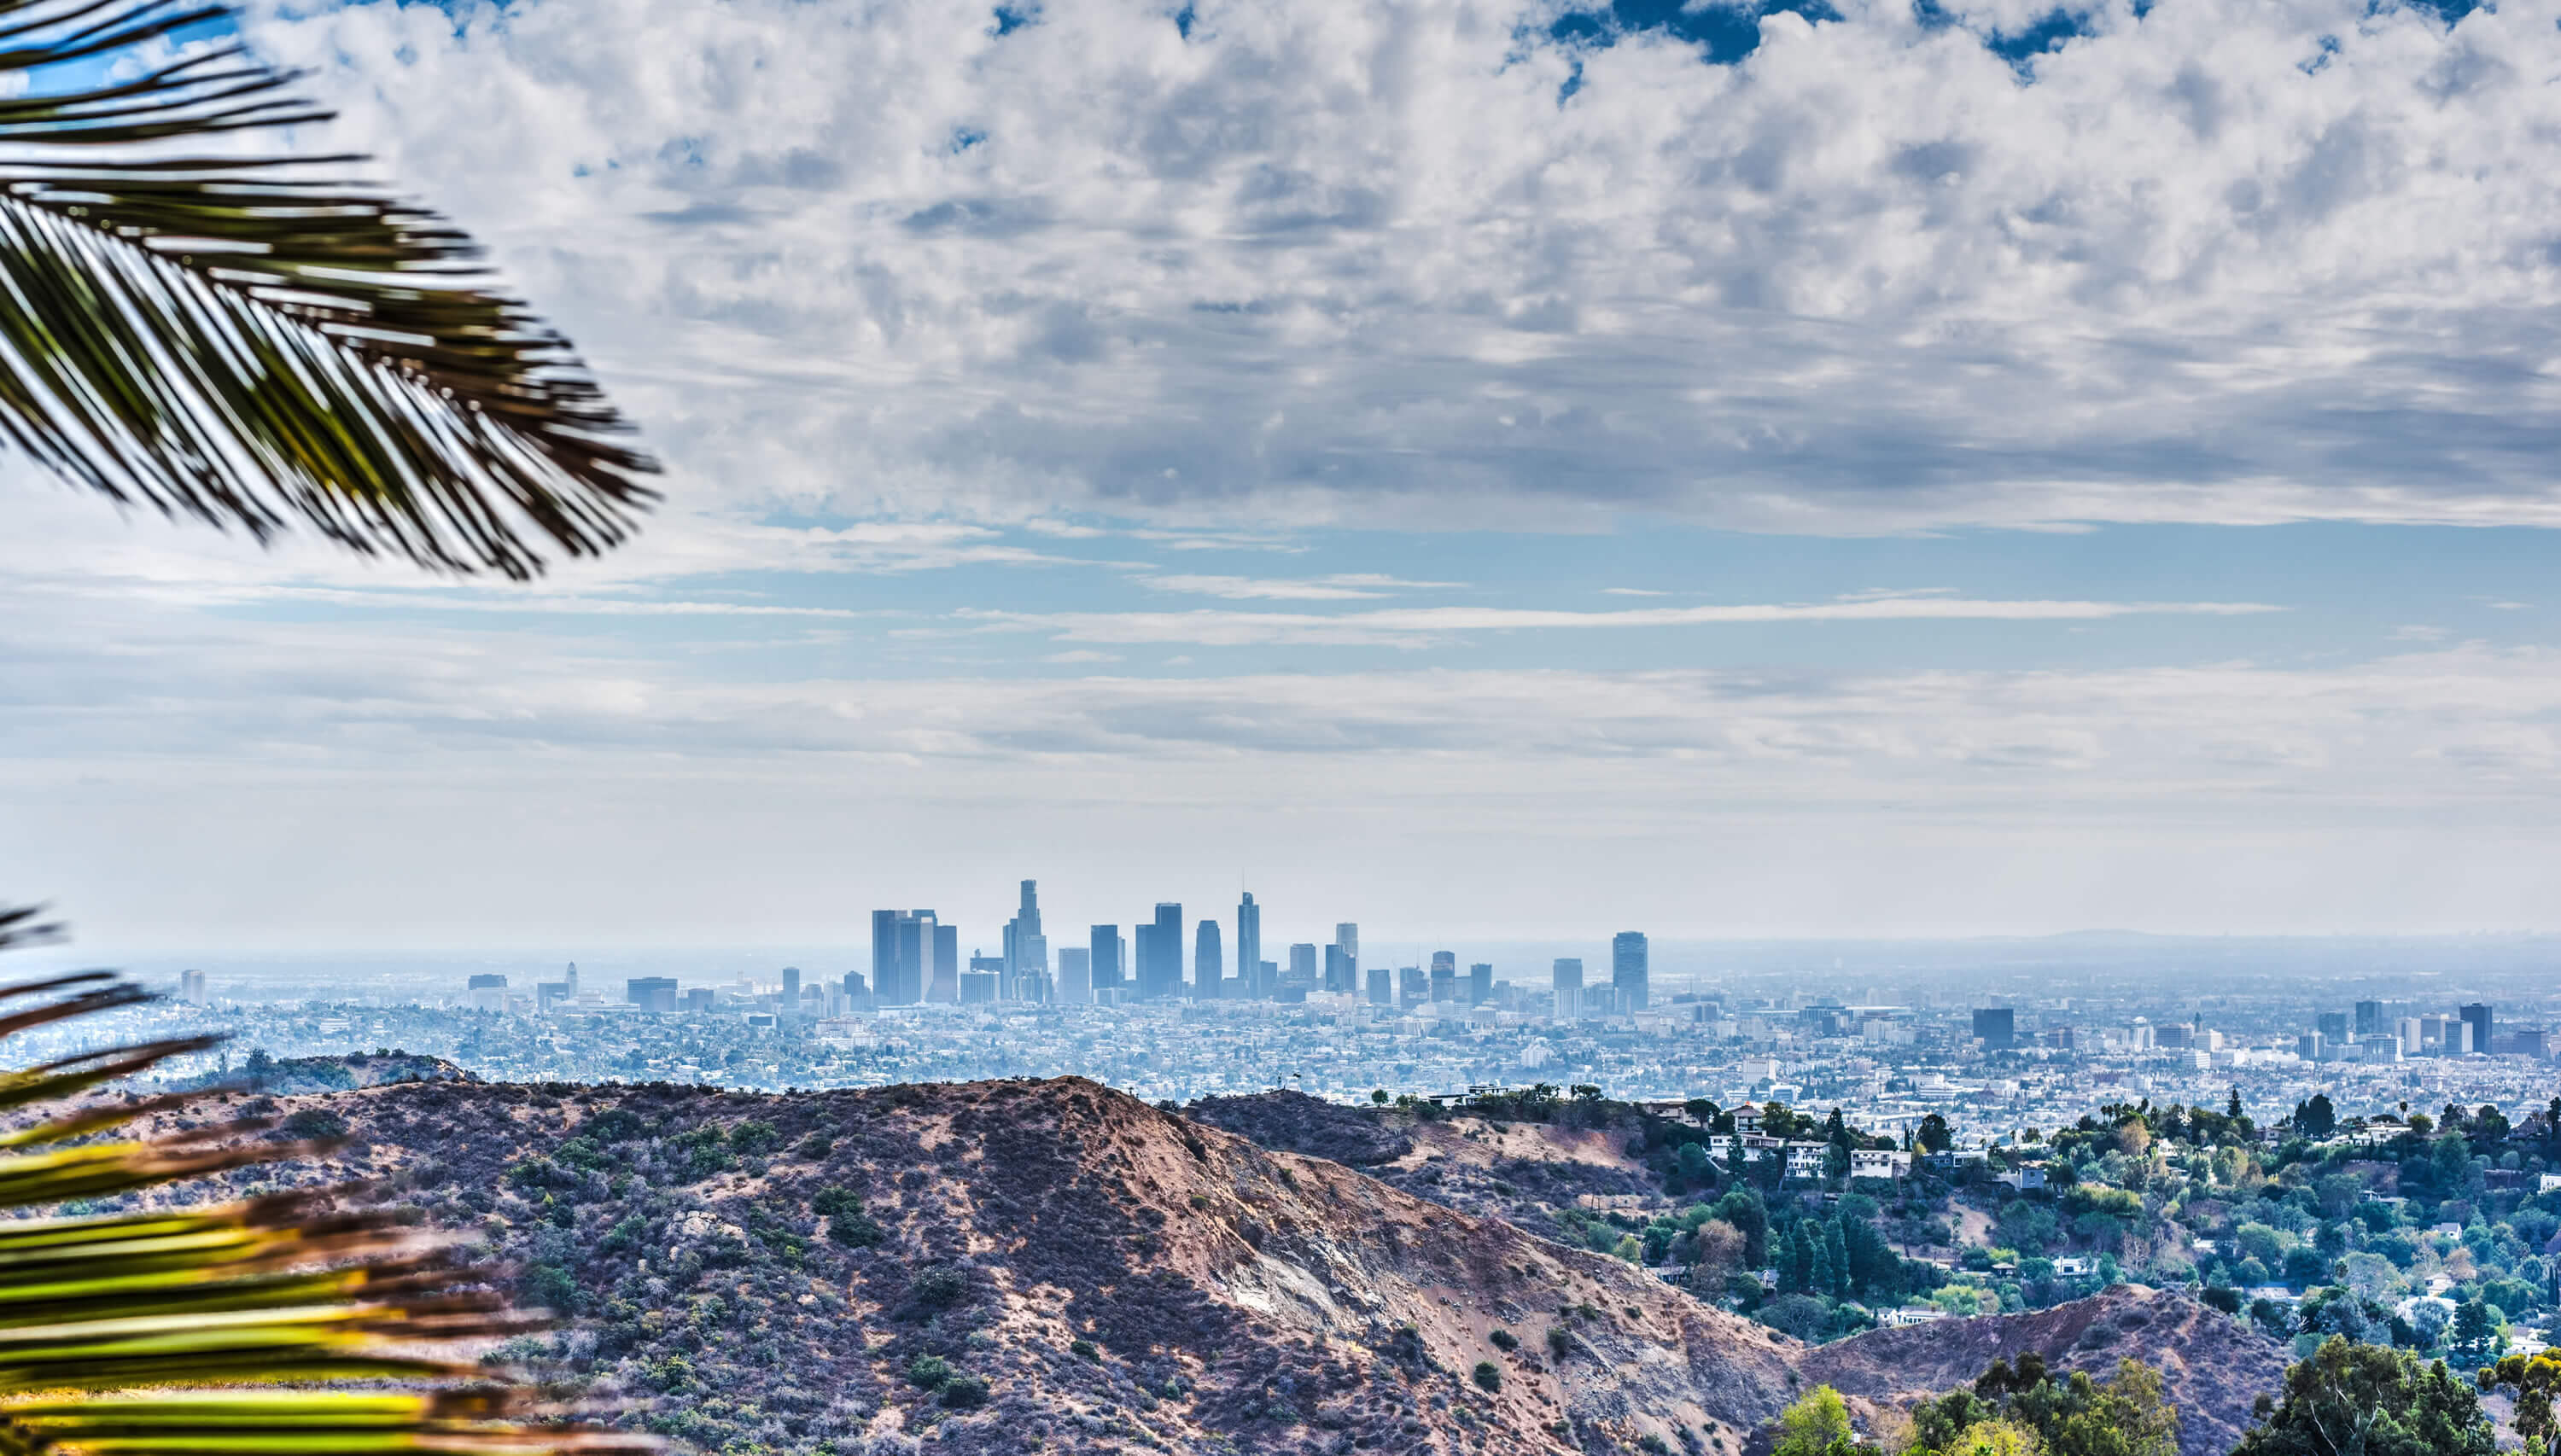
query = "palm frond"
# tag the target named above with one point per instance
(233, 1328)
(252, 340)
(19, 926)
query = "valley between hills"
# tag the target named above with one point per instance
(1054, 1266)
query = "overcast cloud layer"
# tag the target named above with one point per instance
(2237, 260)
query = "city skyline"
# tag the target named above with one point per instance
(915, 957)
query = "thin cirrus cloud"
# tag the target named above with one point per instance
(1423, 626)
(1346, 587)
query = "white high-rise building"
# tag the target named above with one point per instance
(1075, 974)
(1568, 987)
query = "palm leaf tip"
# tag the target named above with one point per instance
(251, 342)
(22, 925)
(290, 1323)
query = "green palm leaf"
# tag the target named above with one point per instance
(251, 341)
(283, 1323)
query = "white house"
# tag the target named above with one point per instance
(1805, 1160)
(1879, 1163)
(2025, 1179)
(2073, 1267)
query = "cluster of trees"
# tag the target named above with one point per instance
(2027, 1408)
(2365, 1398)
(2134, 1126)
(2344, 1399)
(2021, 1412)
(2174, 1194)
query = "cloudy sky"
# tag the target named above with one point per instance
(1466, 465)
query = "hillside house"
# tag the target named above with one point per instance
(1879, 1163)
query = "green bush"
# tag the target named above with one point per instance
(1504, 1340)
(938, 1287)
(1488, 1375)
(1084, 1350)
(1558, 1342)
(965, 1392)
(847, 1221)
(930, 1371)
(550, 1286)
(318, 1124)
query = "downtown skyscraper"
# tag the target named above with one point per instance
(1026, 974)
(1631, 973)
(1208, 966)
(914, 959)
(1248, 949)
(1160, 953)
(1109, 967)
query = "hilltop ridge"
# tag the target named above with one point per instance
(1054, 1264)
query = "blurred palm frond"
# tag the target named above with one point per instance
(285, 1323)
(246, 340)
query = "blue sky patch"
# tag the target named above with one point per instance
(1725, 34)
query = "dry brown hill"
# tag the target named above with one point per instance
(1121, 1278)
(1517, 1171)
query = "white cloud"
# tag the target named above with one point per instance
(1329, 260)
(1352, 586)
(568, 786)
(1421, 626)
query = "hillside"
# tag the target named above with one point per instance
(2211, 1364)
(1517, 1171)
(1233, 1297)
(1054, 1265)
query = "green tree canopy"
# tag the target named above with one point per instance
(2535, 1380)
(2126, 1414)
(1818, 1425)
(2353, 1399)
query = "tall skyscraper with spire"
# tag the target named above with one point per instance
(1026, 950)
(1248, 949)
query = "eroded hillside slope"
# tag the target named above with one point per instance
(1120, 1277)
(1055, 1267)
(1517, 1171)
